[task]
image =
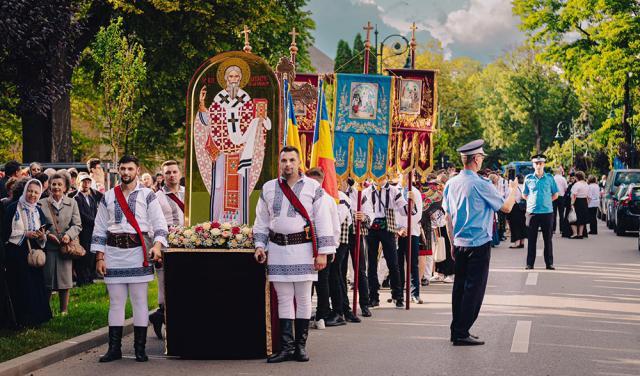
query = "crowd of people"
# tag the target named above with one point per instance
(49, 209)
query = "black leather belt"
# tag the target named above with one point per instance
(123, 240)
(290, 239)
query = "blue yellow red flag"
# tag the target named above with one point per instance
(292, 135)
(322, 149)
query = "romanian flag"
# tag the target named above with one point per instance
(322, 150)
(292, 135)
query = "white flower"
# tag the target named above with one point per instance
(215, 232)
(206, 226)
(221, 241)
(208, 243)
(187, 233)
(246, 230)
(239, 237)
(226, 226)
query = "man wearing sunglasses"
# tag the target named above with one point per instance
(540, 190)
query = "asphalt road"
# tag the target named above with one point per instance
(581, 319)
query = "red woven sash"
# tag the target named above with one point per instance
(175, 199)
(131, 218)
(293, 199)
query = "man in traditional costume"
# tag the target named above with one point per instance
(388, 206)
(171, 198)
(129, 216)
(295, 228)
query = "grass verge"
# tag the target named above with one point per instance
(88, 310)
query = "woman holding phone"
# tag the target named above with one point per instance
(24, 226)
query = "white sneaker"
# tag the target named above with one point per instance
(448, 279)
(436, 278)
(320, 324)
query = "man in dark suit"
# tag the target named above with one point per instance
(87, 199)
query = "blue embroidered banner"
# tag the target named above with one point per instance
(362, 121)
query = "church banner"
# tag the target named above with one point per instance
(305, 99)
(362, 125)
(413, 123)
(233, 107)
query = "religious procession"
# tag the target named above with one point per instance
(397, 208)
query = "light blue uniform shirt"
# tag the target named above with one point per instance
(539, 192)
(471, 201)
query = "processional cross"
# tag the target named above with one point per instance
(293, 49)
(247, 46)
(367, 46)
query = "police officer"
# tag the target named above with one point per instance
(470, 203)
(540, 190)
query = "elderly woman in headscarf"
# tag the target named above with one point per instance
(23, 226)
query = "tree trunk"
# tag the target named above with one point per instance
(62, 147)
(36, 137)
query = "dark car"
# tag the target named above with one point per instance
(627, 209)
(615, 179)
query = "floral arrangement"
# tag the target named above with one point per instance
(211, 235)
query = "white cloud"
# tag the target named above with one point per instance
(480, 22)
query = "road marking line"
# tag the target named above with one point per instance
(532, 279)
(520, 343)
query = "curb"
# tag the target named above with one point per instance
(60, 351)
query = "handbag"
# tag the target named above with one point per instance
(572, 217)
(73, 249)
(36, 258)
(439, 251)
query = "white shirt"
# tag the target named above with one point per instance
(562, 184)
(387, 197)
(335, 218)
(580, 189)
(344, 208)
(594, 195)
(172, 212)
(416, 217)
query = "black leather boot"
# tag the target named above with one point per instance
(157, 319)
(139, 343)
(115, 345)
(287, 343)
(302, 333)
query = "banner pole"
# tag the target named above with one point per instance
(409, 207)
(356, 259)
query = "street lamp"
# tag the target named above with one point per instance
(399, 47)
(456, 122)
(573, 138)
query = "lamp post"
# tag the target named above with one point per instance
(400, 46)
(573, 138)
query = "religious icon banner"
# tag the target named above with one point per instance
(362, 125)
(414, 117)
(233, 106)
(305, 100)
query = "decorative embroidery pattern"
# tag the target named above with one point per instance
(277, 200)
(162, 233)
(129, 272)
(260, 238)
(295, 269)
(318, 194)
(297, 188)
(150, 197)
(99, 240)
(326, 241)
(132, 206)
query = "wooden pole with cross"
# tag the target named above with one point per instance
(293, 48)
(247, 46)
(413, 45)
(367, 46)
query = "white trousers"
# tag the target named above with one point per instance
(160, 273)
(118, 299)
(287, 292)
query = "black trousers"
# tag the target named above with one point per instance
(402, 259)
(337, 279)
(472, 272)
(363, 283)
(593, 221)
(544, 222)
(322, 289)
(558, 214)
(388, 241)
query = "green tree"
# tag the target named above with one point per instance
(343, 56)
(122, 70)
(357, 64)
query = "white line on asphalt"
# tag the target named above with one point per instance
(532, 279)
(520, 343)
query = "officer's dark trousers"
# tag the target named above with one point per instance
(337, 284)
(544, 222)
(402, 259)
(388, 241)
(558, 214)
(322, 288)
(363, 283)
(472, 271)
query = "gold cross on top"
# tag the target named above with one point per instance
(247, 46)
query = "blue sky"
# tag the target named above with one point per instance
(481, 29)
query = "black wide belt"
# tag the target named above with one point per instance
(123, 240)
(290, 239)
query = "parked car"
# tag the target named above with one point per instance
(615, 178)
(627, 209)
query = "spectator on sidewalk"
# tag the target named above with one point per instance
(11, 170)
(594, 204)
(87, 199)
(580, 203)
(62, 212)
(558, 205)
(94, 166)
(21, 226)
(34, 169)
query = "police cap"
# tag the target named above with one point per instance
(538, 158)
(472, 148)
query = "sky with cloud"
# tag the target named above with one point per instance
(481, 29)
